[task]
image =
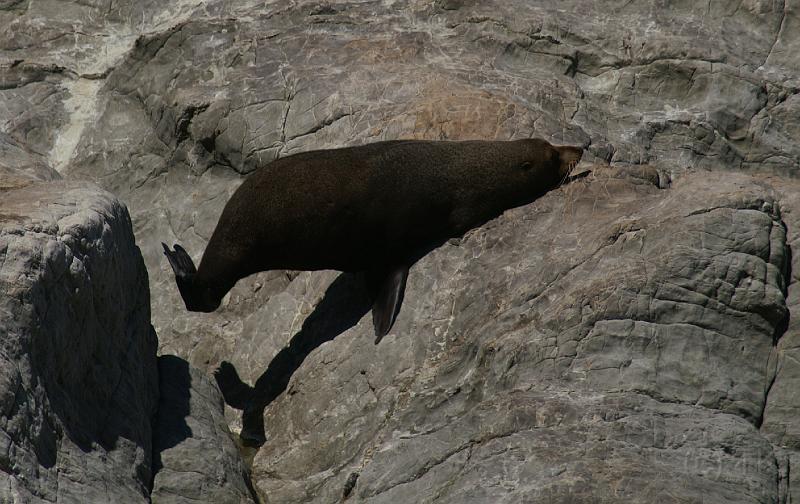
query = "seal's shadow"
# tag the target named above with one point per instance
(345, 302)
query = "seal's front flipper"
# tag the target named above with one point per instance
(194, 297)
(182, 264)
(389, 289)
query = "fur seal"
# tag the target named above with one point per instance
(375, 208)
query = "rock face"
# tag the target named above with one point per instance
(86, 414)
(192, 107)
(197, 459)
(630, 337)
(590, 362)
(78, 373)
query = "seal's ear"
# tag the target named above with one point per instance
(568, 157)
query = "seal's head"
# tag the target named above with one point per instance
(543, 164)
(509, 174)
(568, 158)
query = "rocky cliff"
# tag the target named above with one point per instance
(82, 416)
(630, 337)
(79, 384)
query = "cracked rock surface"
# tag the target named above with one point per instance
(197, 459)
(630, 337)
(86, 413)
(77, 363)
(611, 302)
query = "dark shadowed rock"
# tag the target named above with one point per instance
(195, 458)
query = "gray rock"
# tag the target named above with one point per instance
(176, 121)
(18, 166)
(624, 334)
(565, 447)
(783, 403)
(78, 382)
(585, 293)
(196, 459)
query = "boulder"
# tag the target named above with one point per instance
(78, 377)
(196, 459)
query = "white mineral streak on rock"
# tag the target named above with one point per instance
(81, 107)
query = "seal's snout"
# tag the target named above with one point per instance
(568, 157)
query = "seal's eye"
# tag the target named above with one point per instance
(527, 165)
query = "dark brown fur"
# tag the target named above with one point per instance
(367, 208)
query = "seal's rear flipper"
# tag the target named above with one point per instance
(388, 298)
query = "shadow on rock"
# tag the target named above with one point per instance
(173, 406)
(343, 305)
